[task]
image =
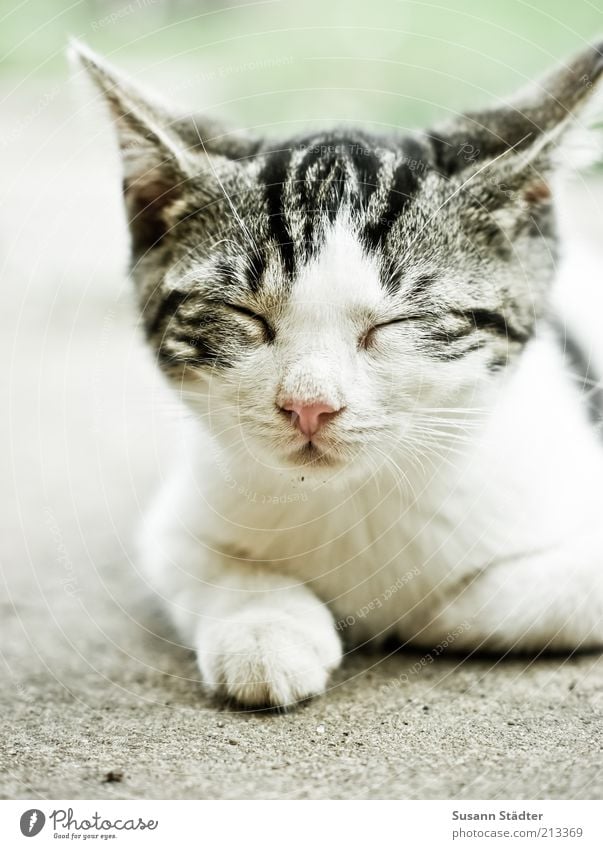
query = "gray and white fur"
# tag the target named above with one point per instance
(388, 438)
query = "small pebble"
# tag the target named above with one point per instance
(320, 729)
(113, 775)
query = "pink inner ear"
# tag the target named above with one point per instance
(147, 197)
(537, 192)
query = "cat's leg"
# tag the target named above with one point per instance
(261, 638)
(551, 600)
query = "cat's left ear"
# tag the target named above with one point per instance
(545, 127)
(162, 153)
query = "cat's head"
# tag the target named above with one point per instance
(331, 301)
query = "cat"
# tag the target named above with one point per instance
(389, 434)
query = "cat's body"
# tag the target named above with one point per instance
(389, 439)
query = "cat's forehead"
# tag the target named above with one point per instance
(341, 275)
(325, 219)
(306, 185)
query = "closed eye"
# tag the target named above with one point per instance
(269, 333)
(368, 337)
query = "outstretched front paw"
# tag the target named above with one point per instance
(259, 657)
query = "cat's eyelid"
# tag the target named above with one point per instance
(248, 312)
(399, 319)
(379, 323)
(244, 310)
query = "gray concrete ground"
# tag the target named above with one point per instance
(93, 684)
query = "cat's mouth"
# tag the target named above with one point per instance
(311, 454)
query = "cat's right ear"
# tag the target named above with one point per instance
(156, 163)
(549, 124)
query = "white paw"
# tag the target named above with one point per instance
(259, 656)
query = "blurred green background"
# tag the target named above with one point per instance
(278, 62)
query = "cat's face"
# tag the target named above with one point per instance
(379, 300)
(336, 301)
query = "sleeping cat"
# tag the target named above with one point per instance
(389, 436)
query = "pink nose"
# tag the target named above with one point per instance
(309, 418)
